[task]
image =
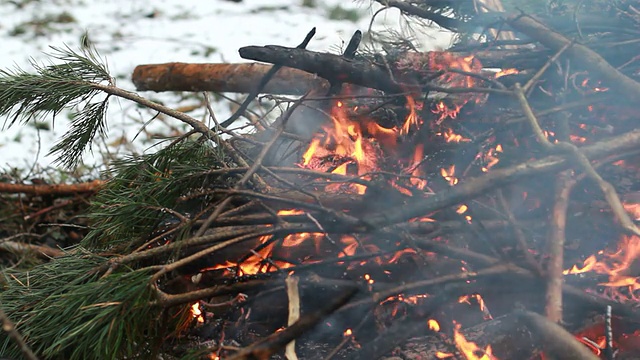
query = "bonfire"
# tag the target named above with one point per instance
(479, 202)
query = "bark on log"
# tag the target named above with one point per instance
(240, 78)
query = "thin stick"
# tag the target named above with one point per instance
(608, 190)
(252, 170)
(293, 294)
(519, 234)
(41, 250)
(529, 85)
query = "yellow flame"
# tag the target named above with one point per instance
(433, 325)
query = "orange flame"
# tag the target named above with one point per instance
(616, 265)
(469, 349)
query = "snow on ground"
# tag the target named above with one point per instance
(129, 33)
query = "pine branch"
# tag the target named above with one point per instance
(66, 311)
(25, 97)
(130, 205)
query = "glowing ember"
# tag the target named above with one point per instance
(504, 72)
(449, 175)
(450, 136)
(444, 355)
(491, 157)
(369, 280)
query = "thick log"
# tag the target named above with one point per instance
(240, 78)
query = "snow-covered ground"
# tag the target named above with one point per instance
(128, 33)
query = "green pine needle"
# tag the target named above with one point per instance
(25, 97)
(130, 207)
(65, 311)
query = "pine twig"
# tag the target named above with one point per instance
(408, 8)
(9, 327)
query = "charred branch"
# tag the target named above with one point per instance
(327, 66)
